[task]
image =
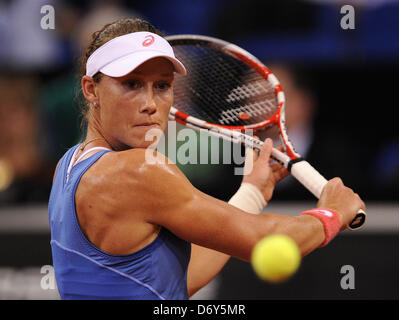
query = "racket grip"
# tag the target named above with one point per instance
(312, 180)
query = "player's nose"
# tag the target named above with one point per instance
(149, 105)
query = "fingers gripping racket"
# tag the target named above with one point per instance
(228, 91)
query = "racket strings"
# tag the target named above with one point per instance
(221, 89)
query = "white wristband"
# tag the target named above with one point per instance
(248, 198)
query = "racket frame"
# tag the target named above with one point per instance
(247, 58)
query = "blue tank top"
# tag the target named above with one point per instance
(83, 271)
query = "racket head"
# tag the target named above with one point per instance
(227, 87)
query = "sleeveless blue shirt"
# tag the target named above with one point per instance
(83, 271)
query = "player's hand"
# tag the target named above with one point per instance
(260, 172)
(341, 199)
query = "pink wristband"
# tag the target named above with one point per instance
(330, 221)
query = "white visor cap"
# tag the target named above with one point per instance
(123, 54)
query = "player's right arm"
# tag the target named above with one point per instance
(168, 199)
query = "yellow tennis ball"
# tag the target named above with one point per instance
(275, 258)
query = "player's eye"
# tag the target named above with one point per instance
(163, 85)
(132, 84)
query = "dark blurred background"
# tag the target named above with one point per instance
(341, 115)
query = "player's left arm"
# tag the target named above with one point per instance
(205, 263)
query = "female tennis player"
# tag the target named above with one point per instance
(124, 228)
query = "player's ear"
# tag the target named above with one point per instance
(89, 89)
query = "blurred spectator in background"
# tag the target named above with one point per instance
(27, 45)
(24, 175)
(300, 111)
(325, 146)
(300, 108)
(3, 31)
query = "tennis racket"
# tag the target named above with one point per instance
(228, 91)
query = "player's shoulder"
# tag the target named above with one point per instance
(136, 162)
(137, 158)
(118, 175)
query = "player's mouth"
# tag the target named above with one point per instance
(147, 125)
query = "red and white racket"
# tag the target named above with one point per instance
(227, 91)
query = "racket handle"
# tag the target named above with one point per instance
(312, 180)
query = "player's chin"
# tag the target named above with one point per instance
(149, 140)
(146, 145)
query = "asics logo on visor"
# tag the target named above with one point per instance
(149, 40)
